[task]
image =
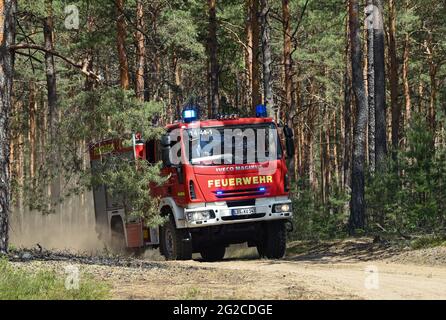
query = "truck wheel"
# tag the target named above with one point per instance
(261, 250)
(175, 243)
(212, 254)
(274, 245)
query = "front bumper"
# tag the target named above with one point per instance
(223, 214)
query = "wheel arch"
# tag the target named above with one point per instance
(168, 206)
(115, 220)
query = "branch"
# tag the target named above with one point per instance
(28, 39)
(30, 56)
(293, 36)
(236, 36)
(134, 25)
(82, 67)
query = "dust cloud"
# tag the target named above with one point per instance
(71, 227)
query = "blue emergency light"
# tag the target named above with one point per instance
(190, 114)
(261, 111)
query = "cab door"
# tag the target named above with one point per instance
(175, 187)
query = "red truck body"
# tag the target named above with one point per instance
(209, 205)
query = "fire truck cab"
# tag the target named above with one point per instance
(227, 183)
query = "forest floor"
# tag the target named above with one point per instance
(344, 269)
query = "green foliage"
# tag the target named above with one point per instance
(409, 194)
(18, 284)
(406, 196)
(314, 219)
(428, 242)
(130, 182)
(87, 117)
(180, 33)
(109, 113)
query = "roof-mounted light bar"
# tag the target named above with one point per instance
(261, 111)
(190, 114)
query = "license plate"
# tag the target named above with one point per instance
(243, 211)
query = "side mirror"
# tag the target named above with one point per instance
(165, 140)
(289, 141)
(165, 154)
(165, 150)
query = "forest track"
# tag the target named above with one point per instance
(356, 269)
(347, 280)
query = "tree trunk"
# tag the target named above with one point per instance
(325, 146)
(420, 95)
(248, 60)
(213, 49)
(310, 141)
(371, 83)
(335, 148)
(380, 87)
(357, 216)
(267, 59)
(256, 98)
(19, 177)
(155, 82)
(50, 69)
(433, 69)
(323, 164)
(89, 82)
(140, 51)
(177, 95)
(287, 58)
(407, 98)
(209, 86)
(433, 96)
(122, 53)
(32, 130)
(347, 114)
(7, 39)
(393, 80)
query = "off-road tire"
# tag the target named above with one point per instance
(273, 245)
(261, 250)
(175, 244)
(212, 254)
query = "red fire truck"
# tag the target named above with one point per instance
(220, 188)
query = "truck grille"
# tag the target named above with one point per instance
(239, 193)
(242, 217)
(241, 203)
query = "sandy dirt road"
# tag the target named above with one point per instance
(355, 280)
(357, 269)
(338, 270)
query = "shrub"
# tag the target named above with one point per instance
(408, 194)
(314, 219)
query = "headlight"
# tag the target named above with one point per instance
(200, 215)
(285, 207)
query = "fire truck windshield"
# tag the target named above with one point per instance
(234, 144)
